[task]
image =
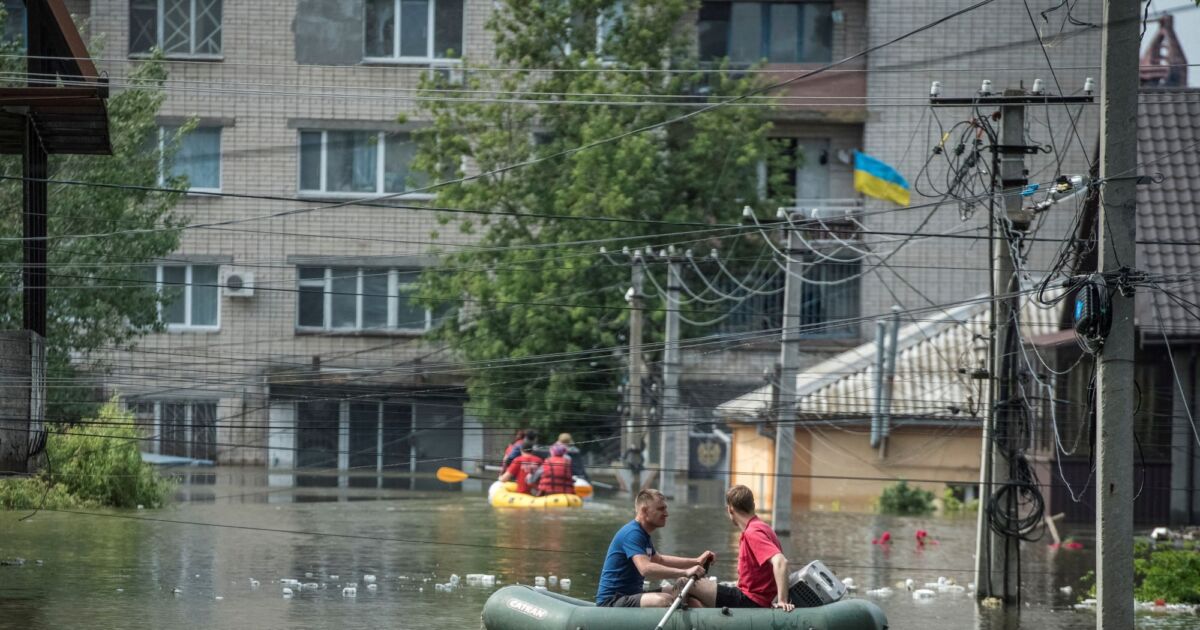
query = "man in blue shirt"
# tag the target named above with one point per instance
(632, 558)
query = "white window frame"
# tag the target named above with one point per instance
(187, 326)
(189, 416)
(192, 54)
(393, 303)
(431, 25)
(162, 163)
(380, 175)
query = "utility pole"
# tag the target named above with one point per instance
(1118, 223)
(789, 362)
(675, 432)
(996, 557)
(636, 298)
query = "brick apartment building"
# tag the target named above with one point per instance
(299, 99)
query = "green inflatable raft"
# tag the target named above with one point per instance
(525, 608)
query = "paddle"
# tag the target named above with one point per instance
(446, 474)
(678, 600)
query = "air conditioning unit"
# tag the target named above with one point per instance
(237, 283)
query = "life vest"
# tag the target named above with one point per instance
(556, 477)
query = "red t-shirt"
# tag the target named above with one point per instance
(756, 577)
(524, 464)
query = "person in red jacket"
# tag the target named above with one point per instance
(513, 450)
(522, 467)
(556, 473)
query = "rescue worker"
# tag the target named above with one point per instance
(522, 467)
(574, 455)
(514, 449)
(556, 473)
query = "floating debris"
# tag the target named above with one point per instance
(995, 602)
(923, 593)
(254, 583)
(333, 577)
(308, 574)
(219, 598)
(290, 583)
(350, 591)
(849, 583)
(553, 580)
(565, 584)
(880, 592)
(368, 579)
(287, 593)
(539, 581)
(176, 590)
(372, 587)
(310, 586)
(1066, 590)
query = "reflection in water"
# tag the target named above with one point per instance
(104, 572)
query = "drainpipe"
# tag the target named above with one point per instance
(889, 383)
(877, 416)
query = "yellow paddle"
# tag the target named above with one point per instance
(446, 474)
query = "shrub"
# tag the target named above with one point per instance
(92, 465)
(1170, 575)
(904, 500)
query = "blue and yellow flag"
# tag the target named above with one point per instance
(879, 180)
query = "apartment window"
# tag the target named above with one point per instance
(181, 28)
(357, 162)
(198, 157)
(800, 171)
(191, 298)
(830, 311)
(14, 23)
(180, 428)
(360, 299)
(413, 30)
(779, 32)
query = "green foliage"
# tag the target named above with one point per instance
(100, 239)
(905, 500)
(1170, 575)
(92, 465)
(953, 506)
(536, 286)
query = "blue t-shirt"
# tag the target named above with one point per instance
(620, 575)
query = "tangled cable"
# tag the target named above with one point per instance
(1016, 507)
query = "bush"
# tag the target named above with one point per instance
(1170, 575)
(906, 501)
(92, 465)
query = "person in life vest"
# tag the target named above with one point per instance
(514, 450)
(556, 475)
(522, 467)
(574, 455)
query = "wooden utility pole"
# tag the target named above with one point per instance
(1118, 224)
(789, 362)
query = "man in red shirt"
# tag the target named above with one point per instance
(762, 567)
(524, 465)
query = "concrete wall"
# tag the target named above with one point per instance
(950, 454)
(22, 392)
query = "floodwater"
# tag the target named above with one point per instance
(122, 569)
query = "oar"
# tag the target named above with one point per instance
(446, 474)
(678, 600)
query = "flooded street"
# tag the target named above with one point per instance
(111, 570)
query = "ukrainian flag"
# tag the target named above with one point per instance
(878, 179)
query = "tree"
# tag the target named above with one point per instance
(541, 315)
(100, 241)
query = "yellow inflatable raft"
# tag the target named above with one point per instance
(504, 494)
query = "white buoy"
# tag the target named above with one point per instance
(368, 579)
(565, 584)
(350, 591)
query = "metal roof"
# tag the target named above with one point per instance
(933, 382)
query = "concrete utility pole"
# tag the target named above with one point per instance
(675, 433)
(789, 362)
(636, 302)
(1118, 224)
(996, 555)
